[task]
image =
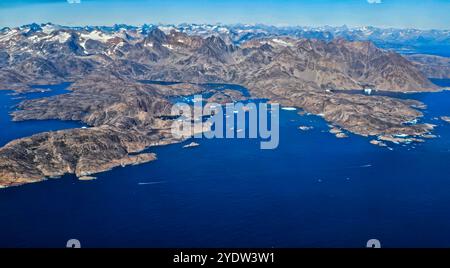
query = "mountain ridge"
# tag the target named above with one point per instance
(47, 52)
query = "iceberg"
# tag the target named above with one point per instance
(190, 145)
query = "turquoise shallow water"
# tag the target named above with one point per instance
(312, 191)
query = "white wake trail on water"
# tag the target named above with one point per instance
(151, 183)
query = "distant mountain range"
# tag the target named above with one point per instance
(50, 52)
(402, 40)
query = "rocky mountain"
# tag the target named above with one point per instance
(431, 65)
(400, 40)
(50, 53)
(126, 116)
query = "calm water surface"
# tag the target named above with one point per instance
(312, 191)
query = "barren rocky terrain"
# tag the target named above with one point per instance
(126, 115)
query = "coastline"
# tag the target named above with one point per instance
(143, 159)
(126, 116)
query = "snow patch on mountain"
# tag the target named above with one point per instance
(9, 35)
(97, 36)
(61, 37)
(281, 42)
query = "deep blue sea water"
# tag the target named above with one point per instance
(314, 190)
(441, 82)
(13, 130)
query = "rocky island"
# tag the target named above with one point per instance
(126, 115)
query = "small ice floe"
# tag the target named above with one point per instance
(411, 122)
(239, 130)
(190, 145)
(368, 91)
(319, 180)
(83, 127)
(366, 166)
(235, 111)
(289, 108)
(391, 149)
(347, 179)
(400, 135)
(87, 178)
(305, 128)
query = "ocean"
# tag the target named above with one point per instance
(314, 190)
